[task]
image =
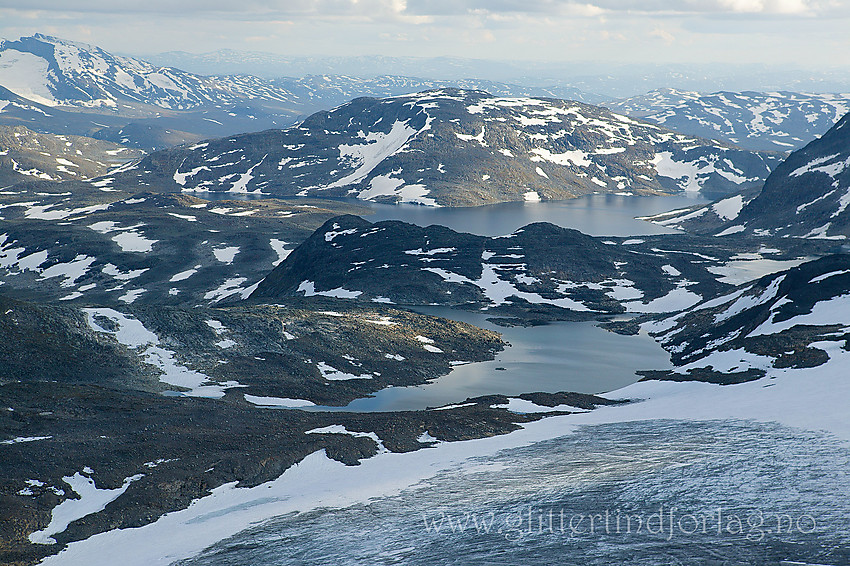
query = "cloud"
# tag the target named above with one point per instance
(712, 6)
(595, 7)
(481, 7)
(663, 35)
(767, 6)
(422, 11)
(198, 7)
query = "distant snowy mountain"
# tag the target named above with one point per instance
(59, 87)
(778, 121)
(614, 81)
(451, 71)
(806, 196)
(457, 148)
(55, 72)
(168, 106)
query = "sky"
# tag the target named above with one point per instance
(802, 33)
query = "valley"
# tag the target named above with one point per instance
(386, 281)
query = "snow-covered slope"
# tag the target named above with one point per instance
(457, 148)
(782, 323)
(707, 218)
(778, 121)
(809, 193)
(60, 87)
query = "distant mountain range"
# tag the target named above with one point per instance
(806, 196)
(55, 72)
(55, 86)
(605, 80)
(777, 121)
(73, 88)
(327, 91)
(457, 148)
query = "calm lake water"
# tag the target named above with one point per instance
(597, 215)
(563, 356)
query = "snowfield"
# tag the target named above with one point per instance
(811, 400)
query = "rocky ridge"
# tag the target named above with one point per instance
(72, 242)
(27, 155)
(540, 272)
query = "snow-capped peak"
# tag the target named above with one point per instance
(56, 72)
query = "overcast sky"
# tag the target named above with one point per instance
(802, 33)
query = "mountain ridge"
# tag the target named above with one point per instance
(457, 148)
(806, 196)
(540, 272)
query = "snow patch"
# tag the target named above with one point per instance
(332, 374)
(309, 290)
(278, 402)
(225, 255)
(92, 500)
(133, 334)
(730, 208)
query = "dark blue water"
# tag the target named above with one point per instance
(709, 493)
